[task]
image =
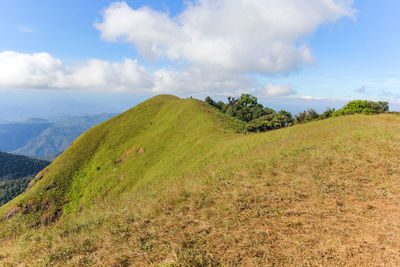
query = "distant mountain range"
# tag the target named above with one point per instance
(15, 173)
(45, 139)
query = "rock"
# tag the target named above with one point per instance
(50, 217)
(46, 204)
(11, 213)
(28, 207)
(124, 156)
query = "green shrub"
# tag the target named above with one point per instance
(258, 118)
(307, 116)
(363, 107)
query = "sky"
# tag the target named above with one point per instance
(87, 57)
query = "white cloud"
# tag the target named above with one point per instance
(41, 70)
(103, 75)
(236, 35)
(33, 70)
(274, 90)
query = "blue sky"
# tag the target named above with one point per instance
(350, 52)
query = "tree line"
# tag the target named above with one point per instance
(15, 173)
(260, 119)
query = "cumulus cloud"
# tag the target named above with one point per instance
(236, 35)
(274, 90)
(97, 74)
(41, 70)
(33, 70)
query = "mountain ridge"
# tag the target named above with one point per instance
(41, 138)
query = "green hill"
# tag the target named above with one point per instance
(174, 182)
(15, 174)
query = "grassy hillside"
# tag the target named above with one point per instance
(173, 182)
(15, 174)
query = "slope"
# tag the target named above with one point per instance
(156, 136)
(15, 174)
(170, 183)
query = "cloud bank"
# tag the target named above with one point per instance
(43, 71)
(213, 46)
(236, 35)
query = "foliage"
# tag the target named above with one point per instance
(306, 116)
(363, 107)
(270, 122)
(15, 173)
(327, 114)
(247, 109)
(12, 188)
(259, 119)
(15, 166)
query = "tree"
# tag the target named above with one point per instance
(231, 100)
(268, 111)
(307, 116)
(209, 101)
(247, 100)
(327, 114)
(288, 118)
(259, 118)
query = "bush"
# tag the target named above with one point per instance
(307, 116)
(260, 119)
(327, 114)
(246, 108)
(363, 107)
(268, 122)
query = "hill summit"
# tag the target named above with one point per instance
(175, 182)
